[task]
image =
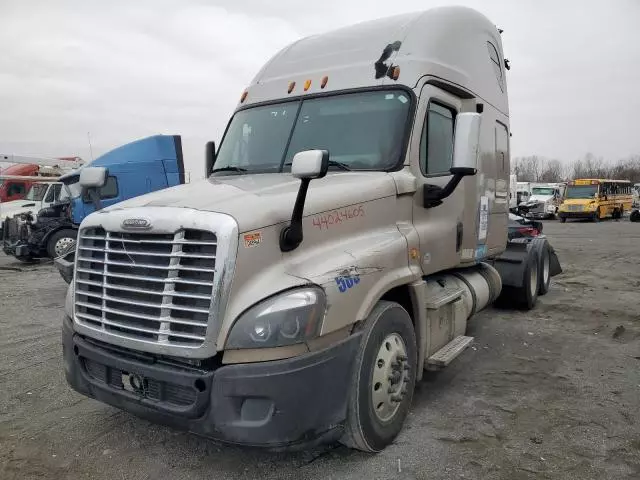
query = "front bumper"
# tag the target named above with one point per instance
(541, 215)
(18, 249)
(64, 265)
(276, 404)
(583, 214)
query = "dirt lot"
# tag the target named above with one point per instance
(554, 393)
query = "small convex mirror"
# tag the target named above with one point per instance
(310, 164)
(466, 144)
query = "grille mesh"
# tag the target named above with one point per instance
(152, 287)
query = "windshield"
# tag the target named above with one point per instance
(364, 131)
(581, 191)
(73, 190)
(541, 191)
(36, 192)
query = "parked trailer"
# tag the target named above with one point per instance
(353, 220)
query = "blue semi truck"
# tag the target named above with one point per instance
(133, 169)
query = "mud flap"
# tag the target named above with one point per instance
(554, 263)
(511, 264)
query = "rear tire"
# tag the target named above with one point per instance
(383, 379)
(635, 216)
(544, 264)
(60, 241)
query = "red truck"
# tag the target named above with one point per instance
(31, 169)
(15, 189)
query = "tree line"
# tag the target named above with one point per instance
(539, 169)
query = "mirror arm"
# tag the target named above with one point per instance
(434, 195)
(95, 198)
(209, 158)
(291, 235)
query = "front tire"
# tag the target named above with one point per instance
(60, 241)
(383, 379)
(563, 219)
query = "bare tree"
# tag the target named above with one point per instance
(552, 172)
(534, 168)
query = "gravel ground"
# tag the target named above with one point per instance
(552, 393)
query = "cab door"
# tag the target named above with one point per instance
(440, 229)
(52, 195)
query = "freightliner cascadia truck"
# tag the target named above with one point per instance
(352, 221)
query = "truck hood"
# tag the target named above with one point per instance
(578, 201)
(9, 209)
(261, 200)
(540, 198)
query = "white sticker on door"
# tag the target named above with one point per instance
(483, 221)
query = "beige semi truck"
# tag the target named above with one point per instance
(352, 221)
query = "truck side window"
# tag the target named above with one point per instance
(436, 144)
(16, 189)
(51, 194)
(109, 190)
(502, 147)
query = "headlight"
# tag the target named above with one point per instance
(285, 319)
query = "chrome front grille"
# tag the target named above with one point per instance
(152, 287)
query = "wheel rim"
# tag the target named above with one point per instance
(390, 377)
(62, 245)
(533, 285)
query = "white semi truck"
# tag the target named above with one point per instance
(353, 220)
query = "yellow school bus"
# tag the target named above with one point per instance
(596, 199)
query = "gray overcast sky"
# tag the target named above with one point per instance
(123, 70)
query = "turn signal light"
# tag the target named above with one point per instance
(324, 82)
(292, 85)
(395, 73)
(307, 84)
(244, 96)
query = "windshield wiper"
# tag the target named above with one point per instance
(332, 163)
(229, 169)
(340, 165)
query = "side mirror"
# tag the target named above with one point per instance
(93, 177)
(310, 164)
(306, 166)
(209, 158)
(466, 144)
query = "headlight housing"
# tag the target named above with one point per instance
(288, 318)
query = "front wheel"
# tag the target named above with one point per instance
(60, 242)
(563, 219)
(596, 216)
(383, 379)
